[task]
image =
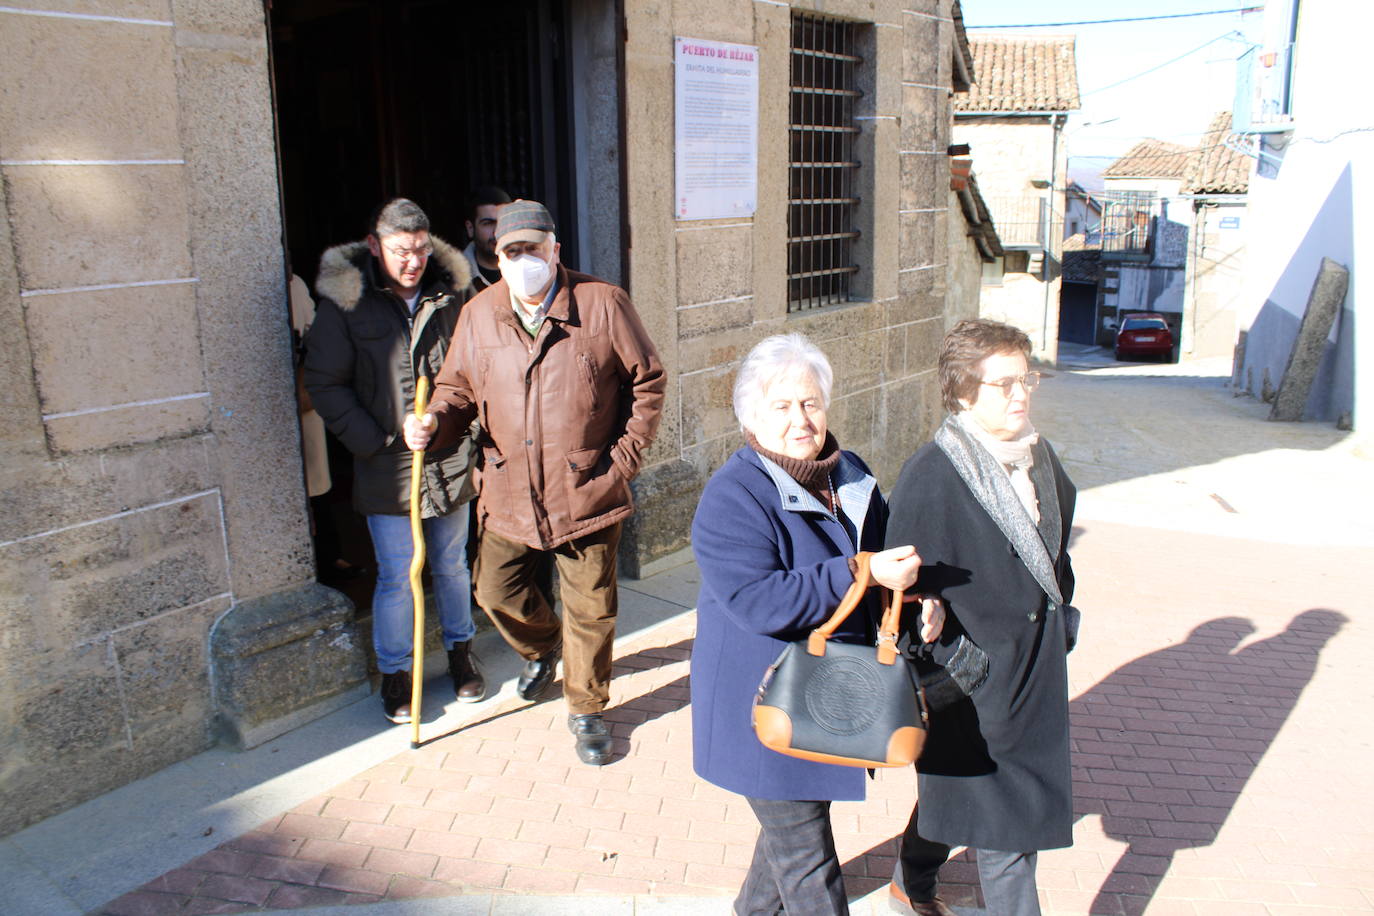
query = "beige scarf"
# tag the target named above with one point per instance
(1013, 454)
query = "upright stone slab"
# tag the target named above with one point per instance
(1322, 306)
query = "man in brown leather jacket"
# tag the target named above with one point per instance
(568, 390)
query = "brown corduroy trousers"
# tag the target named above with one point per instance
(511, 588)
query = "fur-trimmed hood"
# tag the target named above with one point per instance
(344, 268)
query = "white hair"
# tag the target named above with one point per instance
(772, 358)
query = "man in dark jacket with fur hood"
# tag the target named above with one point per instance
(387, 309)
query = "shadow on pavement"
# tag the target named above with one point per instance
(1163, 748)
(634, 712)
(1164, 745)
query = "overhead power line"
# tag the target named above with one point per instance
(1046, 25)
(1159, 66)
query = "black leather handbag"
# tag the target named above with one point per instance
(841, 703)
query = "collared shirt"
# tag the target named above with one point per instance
(531, 323)
(853, 489)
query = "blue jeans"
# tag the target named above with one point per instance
(393, 618)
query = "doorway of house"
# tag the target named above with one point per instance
(425, 99)
(1077, 308)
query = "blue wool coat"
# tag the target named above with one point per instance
(774, 565)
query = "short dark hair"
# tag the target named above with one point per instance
(397, 215)
(487, 195)
(965, 347)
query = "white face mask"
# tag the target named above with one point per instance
(526, 275)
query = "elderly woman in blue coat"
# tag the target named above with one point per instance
(773, 537)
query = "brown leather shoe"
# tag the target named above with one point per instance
(901, 903)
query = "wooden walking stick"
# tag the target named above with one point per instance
(417, 563)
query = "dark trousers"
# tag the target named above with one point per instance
(512, 586)
(795, 869)
(1008, 878)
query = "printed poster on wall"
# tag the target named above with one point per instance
(717, 128)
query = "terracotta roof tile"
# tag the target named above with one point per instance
(1082, 266)
(1151, 159)
(975, 208)
(1079, 242)
(1217, 168)
(1015, 73)
(963, 54)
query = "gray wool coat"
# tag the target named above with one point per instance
(995, 770)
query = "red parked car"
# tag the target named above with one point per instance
(1144, 334)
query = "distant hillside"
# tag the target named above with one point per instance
(1088, 173)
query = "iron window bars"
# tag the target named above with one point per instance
(821, 163)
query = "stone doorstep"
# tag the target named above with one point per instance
(283, 659)
(247, 737)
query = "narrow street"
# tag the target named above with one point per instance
(1220, 698)
(1220, 561)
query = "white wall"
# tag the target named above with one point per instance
(1009, 153)
(1313, 197)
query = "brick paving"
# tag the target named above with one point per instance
(1222, 756)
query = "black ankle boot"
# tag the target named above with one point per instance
(396, 696)
(468, 683)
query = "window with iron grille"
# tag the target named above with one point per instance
(821, 168)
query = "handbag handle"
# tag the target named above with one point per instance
(887, 630)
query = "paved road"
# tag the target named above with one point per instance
(1221, 705)
(1171, 446)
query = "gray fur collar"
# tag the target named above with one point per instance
(342, 270)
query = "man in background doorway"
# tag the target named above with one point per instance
(484, 206)
(330, 565)
(387, 309)
(568, 388)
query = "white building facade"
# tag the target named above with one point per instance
(1310, 197)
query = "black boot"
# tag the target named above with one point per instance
(593, 738)
(468, 684)
(396, 696)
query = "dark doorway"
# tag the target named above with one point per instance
(1077, 305)
(423, 99)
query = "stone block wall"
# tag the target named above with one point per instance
(709, 290)
(965, 269)
(155, 560)
(150, 475)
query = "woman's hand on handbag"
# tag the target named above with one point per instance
(895, 568)
(932, 617)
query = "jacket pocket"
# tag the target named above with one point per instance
(586, 366)
(594, 484)
(492, 480)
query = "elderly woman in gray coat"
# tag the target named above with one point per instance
(989, 507)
